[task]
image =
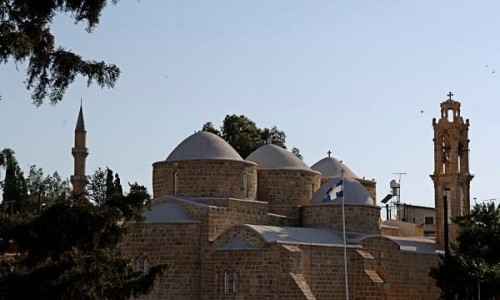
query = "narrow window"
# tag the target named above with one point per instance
(235, 282)
(147, 266)
(245, 185)
(450, 115)
(176, 183)
(226, 282)
(138, 265)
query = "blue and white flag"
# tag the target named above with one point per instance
(334, 192)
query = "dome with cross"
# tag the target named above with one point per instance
(341, 188)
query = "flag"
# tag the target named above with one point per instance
(334, 192)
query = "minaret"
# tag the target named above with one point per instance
(80, 152)
(451, 170)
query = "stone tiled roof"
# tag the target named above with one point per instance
(273, 157)
(331, 167)
(354, 192)
(409, 244)
(239, 243)
(273, 234)
(203, 145)
(415, 244)
(167, 212)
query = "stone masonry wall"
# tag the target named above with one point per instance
(205, 178)
(323, 269)
(358, 218)
(177, 246)
(288, 187)
(405, 274)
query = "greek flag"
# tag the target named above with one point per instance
(334, 192)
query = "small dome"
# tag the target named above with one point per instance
(331, 167)
(354, 192)
(273, 157)
(203, 145)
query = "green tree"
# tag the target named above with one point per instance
(43, 190)
(210, 128)
(102, 185)
(296, 152)
(473, 267)
(69, 251)
(26, 36)
(273, 136)
(14, 185)
(244, 136)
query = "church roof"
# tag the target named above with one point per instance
(167, 212)
(273, 157)
(272, 234)
(354, 192)
(331, 167)
(415, 244)
(80, 124)
(203, 145)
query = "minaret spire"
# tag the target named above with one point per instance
(80, 153)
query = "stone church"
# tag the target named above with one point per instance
(271, 227)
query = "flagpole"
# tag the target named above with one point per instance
(343, 233)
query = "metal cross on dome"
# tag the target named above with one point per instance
(329, 152)
(450, 94)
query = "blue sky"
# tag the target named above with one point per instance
(360, 78)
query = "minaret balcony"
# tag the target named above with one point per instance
(79, 178)
(83, 150)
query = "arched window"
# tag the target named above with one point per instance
(176, 183)
(245, 185)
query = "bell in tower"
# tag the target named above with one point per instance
(451, 170)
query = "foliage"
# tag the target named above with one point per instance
(474, 264)
(26, 35)
(244, 136)
(102, 185)
(296, 152)
(27, 195)
(14, 185)
(68, 247)
(43, 190)
(69, 251)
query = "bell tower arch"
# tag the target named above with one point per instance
(451, 175)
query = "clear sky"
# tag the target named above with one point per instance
(360, 78)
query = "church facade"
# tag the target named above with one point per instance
(271, 227)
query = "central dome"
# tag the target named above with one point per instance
(203, 145)
(273, 157)
(331, 167)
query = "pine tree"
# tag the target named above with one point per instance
(26, 35)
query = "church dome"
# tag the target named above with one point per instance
(354, 192)
(272, 157)
(203, 145)
(331, 167)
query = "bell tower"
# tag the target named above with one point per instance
(80, 153)
(451, 175)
